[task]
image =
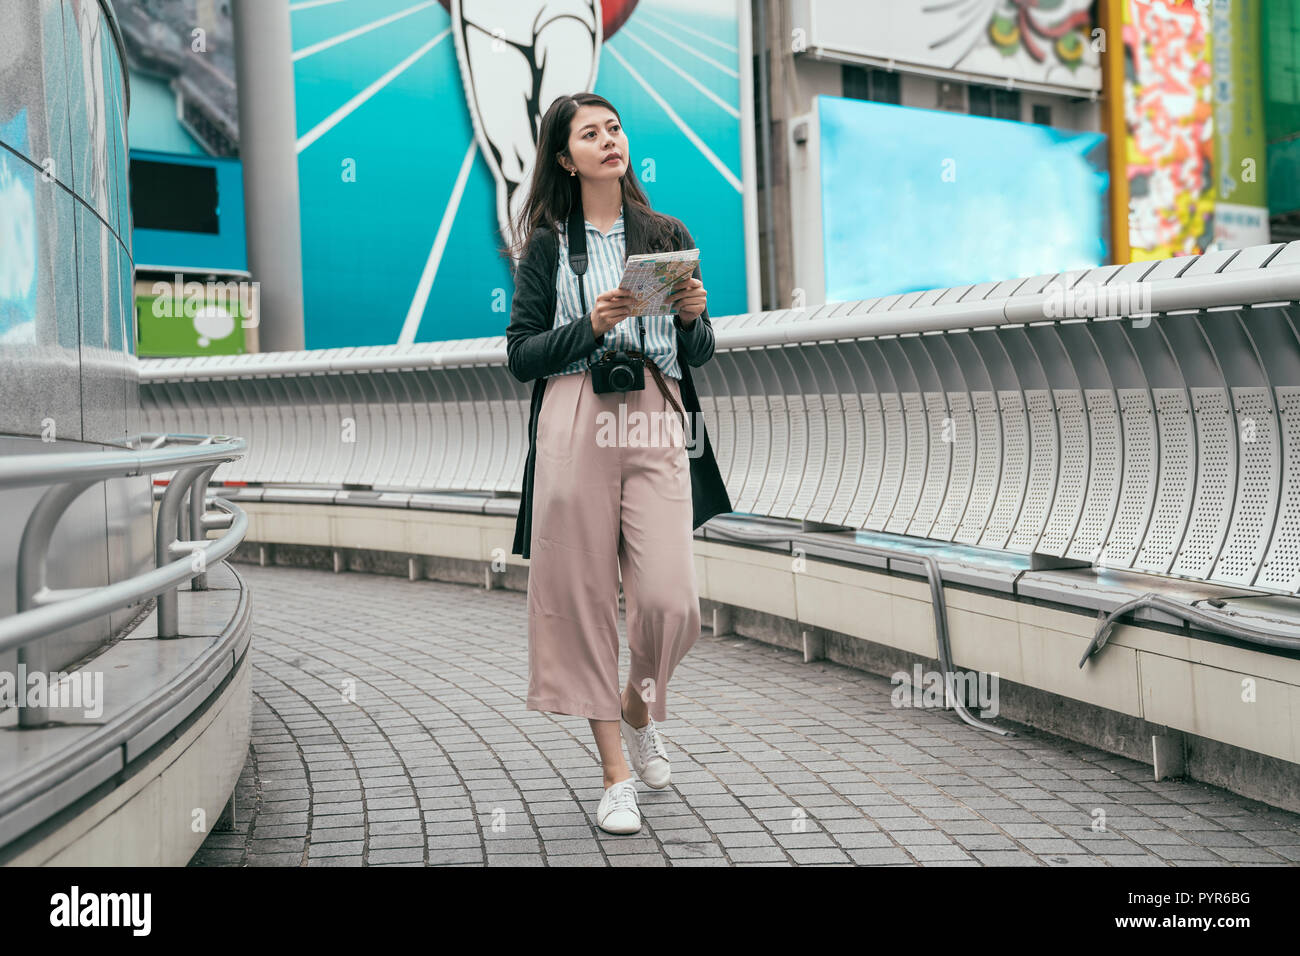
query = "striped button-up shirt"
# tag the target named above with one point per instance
(605, 255)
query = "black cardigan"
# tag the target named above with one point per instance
(536, 349)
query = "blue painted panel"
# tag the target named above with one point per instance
(392, 180)
(924, 199)
(226, 249)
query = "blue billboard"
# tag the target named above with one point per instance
(413, 123)
(918, 199)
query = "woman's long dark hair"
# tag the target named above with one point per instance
(552, 190)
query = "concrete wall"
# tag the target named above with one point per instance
(68, 372)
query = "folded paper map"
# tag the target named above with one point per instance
(651, 277)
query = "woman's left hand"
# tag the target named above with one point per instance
(691, 299)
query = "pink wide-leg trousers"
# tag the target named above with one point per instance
(611, 496)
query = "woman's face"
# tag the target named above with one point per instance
(597, 144)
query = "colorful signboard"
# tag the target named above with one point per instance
(1197, 167)
(1045, 43)
(1241, 210)
(1169, 116)
(417, 126)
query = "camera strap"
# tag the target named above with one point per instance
(578, 259)
(577, 239)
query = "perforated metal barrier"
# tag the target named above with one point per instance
(1144, 416)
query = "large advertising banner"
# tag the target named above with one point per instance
(1169, 120)
(1194, 113)
(925, 199)
(1046, 43)
(1241, 213)
(417, 126)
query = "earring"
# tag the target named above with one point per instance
(572, 173)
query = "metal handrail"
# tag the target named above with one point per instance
(23, 471)
(1194, 616)
(182, 550)
(935, 577)
(1256, 287)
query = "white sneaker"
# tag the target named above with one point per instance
(646, 752)
(618, 812)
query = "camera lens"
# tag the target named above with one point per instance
(620, 378)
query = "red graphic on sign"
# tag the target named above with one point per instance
(614, 14)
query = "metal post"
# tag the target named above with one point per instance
(198, 529)
(182, 524)
(32, 583)
(269, 153)
(169, 517)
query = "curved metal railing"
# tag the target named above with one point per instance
(182, 550)
(1142, 417)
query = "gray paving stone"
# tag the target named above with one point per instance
(1020, 830)
(336, 861)
(803, 840)
(877, 856)
(934, 854)
(863, 840)
(732, 840)
(261, 832)
(441, 856)
(570, 847)
(1001, 858)
(222, 840)
(637, 859)
(912, 838)
(218, 856)
(575, 859)
(564, 833)
(385, 841)
(515, 859)
(1050, 847)
(1144, 859)
(395, 855)
(395, 826)
(689, 835)
(337, 834)
(1184, 853)
(276, 845)
(281, 819)
(807, 857)
(338, 848)
(681, 851)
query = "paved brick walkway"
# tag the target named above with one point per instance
(389, 728)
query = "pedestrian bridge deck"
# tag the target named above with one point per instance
(389, 728)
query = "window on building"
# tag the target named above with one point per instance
(867, 83)
(1042, 114)
(994, 101)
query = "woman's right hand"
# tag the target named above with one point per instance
(611, 308)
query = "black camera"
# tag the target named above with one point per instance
(621, 371)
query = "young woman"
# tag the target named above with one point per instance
(596, 509)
